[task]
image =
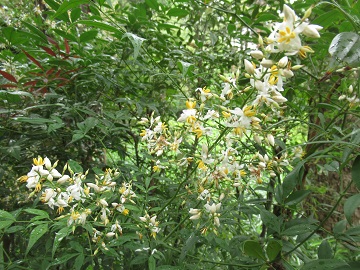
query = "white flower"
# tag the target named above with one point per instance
(311, 30)
(257, 54)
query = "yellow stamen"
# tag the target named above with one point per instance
(39, 161)
(286, 36)
(190, 104)
(23, 178)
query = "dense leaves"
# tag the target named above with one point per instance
(271, 182)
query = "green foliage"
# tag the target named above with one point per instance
(91, 83)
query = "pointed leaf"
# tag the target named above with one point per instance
(355, 171)
(68, 4)
(322, 264)
(254, 249)
(6, 215)
(99, 25)
(76, 167)
(36, 31)
(325, 251)
(35, 235)
(177, 12)
(273, 249)
(59, 236)
(345, 50)
(49, 51)
(297, 196)
(67, 47)
(350, 206)
(53, 42)
(8, 76)
(136, 42)
(152, 263)
(37, 212)
(36, 62)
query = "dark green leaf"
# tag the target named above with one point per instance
(299, 229)
(36, 31)
(79, 261)
(325, 251)
(64, 258)
(59, 236)
(37, 212)
(350, 206)
(6, 224)
(355, 171)
(35, 235)
(297, 196)
(254, 249)
(75, 14)
(270, 220)
(324, 264)
(6, 215)
(152, 4)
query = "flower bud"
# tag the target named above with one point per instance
(271, 139)
(283, 62)
(249, 67)
(257, 54)
(266, 63)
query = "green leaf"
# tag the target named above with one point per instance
(6, 224)
(75, 14)
(299, 229)
(6, 215)
(345, 50)
(270, 220)
(152, 263)
(36, 31)
(177, 12)
(355, 171)
(79, 261)
(350, 206)
(297, 196)
(254, 249)
(35, 235)
(59, 236)
(290, 181)
(64, 258)
(68, 4)
(273, 248)
(136, 42)
(75, 167)
(325, 251)
(152, 4)
(37, 212)
(65, 35)
(89, 35)
(322, 264)
(185, 67)
(99, 25)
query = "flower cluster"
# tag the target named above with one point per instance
(231, 129)
(286, 35)
(76, 199)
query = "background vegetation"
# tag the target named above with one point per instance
(77, 79)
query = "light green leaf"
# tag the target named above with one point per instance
(254, 249)
(184, 67)
(35, 235)
(136, 42)
(325, 251)
(59, 236)
(355, 171)
(177, 12)
(152, 4)
(350, 206)
(68, 4)
(290, 181)
(5, 224)
(6, 215)
(345, 50)
(152, 263)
